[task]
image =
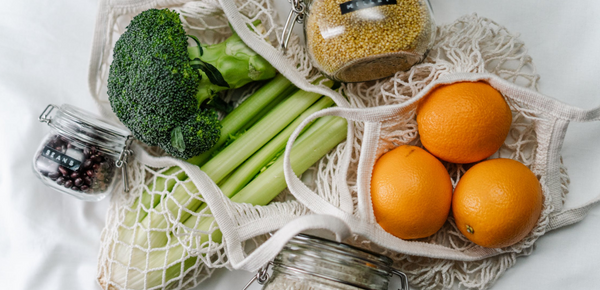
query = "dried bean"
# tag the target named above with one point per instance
(63, 171)
(60, 180)
(86, 164)
(96, 159)
(74, 175)
(79, 181)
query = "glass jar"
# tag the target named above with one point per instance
(363, 40)
(312, 263)
(81, 153)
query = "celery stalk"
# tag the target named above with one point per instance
(243, 174)
(268, 184)
(288, 92)
(249, 169)
(258, 135)
(304, 154)
(244, 113)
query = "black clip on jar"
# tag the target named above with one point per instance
(81, 153)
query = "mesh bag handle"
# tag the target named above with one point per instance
(268, 250)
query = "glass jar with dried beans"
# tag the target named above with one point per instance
(362, 40)
(81, 153)
(313, 263)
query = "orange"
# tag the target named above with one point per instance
(497, 203)
(463, 122)
(411, 192)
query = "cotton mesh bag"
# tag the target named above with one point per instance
(146, 247)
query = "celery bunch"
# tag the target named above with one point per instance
(248, 169)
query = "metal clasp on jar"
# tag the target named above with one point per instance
(296, 16)
(44, 116)
(122, 162)
(261, 276)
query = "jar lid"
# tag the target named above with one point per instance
(336, 262)
(86, 127)
(341, 250)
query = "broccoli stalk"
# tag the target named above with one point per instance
(235, 61)
(157, 83)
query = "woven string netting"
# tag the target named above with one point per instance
(470, 44)
(148, 247)
(188, 254)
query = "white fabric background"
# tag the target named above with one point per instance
(50, 240)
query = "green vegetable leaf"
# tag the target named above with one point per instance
(213, 74)
(198, 43)
(220, 104)
(177, 139)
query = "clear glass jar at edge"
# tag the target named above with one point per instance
(79, 155)
(362, 40)
(312, 263)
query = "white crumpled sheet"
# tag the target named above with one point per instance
(49, 241)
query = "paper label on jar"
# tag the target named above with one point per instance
(60, 158)
(354, 5)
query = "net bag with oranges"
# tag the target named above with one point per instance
(355, 193)
(474, 174)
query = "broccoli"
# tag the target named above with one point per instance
(158, 83)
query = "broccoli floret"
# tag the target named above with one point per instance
(154, 82)
(194, 134)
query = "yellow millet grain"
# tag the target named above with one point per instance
(334, 39)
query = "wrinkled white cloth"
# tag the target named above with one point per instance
(49, 240)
